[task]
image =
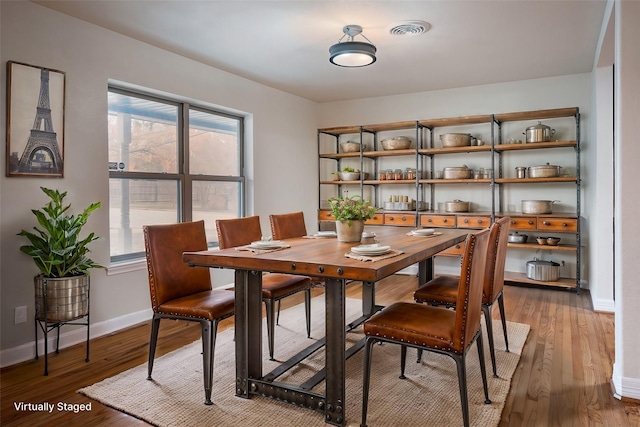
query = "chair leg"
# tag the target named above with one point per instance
(155, 327)
(419, 356)
(307, 309)
(271, 329)
(278, 315)
(486, 309)
(504, 320)
(403, 361)
(366, 377)
(208, 344)
(462, 384)
(483, 369)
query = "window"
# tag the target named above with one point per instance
(169, 162)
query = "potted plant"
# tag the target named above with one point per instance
(61, 256)
(350, 214)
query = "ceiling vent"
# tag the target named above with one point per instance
(409, 28)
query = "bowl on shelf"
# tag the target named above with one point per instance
(351, 147)
(396, 143)
(350, 176)
(553, 241)
(541, 240)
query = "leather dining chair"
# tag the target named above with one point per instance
(275, 286)
(443, 289)
(436, 329)
(182, 292)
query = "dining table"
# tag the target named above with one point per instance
(319, 257)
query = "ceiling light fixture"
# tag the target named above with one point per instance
(352, 53)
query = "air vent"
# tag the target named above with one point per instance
(409, 28)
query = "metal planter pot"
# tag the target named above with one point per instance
(61, 299)
(545, 271)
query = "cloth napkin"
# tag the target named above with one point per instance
(391, 254)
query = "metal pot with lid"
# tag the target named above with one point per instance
(456, 172)
(539, 133)
(537, 206)
(546, 271)
(456, 206)
(544, 171)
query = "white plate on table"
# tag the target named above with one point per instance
(371, 250)
(423, 232)
(326, 234)
(267, 244)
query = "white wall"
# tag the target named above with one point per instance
(281, 133)
(556, 92)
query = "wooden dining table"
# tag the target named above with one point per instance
(325, 258)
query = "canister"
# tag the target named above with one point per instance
(521, 172)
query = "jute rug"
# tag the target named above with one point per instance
(428, 397)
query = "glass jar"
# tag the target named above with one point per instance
(397, 174)
(410, 173)
(382, 175)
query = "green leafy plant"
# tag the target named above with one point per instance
(57, 248)
(350, 169)
(351, 208)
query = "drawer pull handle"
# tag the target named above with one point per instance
(404, 218)
(530, 222)
(479, 221)
(514, 223)
(546, 222)
(564, 224)
(429, 220)
(466, 221)
(390, 218)
(444, 220)
(457, 246)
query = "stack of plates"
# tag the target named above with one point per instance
(326, 234)
(371, 250)
(268, 244)
(423, 232)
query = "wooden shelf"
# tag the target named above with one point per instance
(456, 121)
(455, 150)
(456, 181)
(555, 113)
(534, 145)
(569, 248)
(522, 278)
(535, 180)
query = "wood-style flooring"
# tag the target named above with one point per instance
(563, 378)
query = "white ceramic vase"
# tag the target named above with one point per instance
(349, 233)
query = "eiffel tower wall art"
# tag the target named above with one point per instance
(35, 121)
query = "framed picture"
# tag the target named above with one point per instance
(35, 120)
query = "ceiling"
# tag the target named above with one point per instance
(285, 44)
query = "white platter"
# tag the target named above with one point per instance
(371, 250)
(267, 244)
(326, 234)
(423, 231)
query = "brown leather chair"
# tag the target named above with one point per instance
(182, 292)
(443, 290)
(436, 329)
(287, 226)
(275, 286)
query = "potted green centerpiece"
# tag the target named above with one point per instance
(350, 214)
(61, 256)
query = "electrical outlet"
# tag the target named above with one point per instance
(21, 314)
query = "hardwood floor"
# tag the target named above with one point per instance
(563, 378)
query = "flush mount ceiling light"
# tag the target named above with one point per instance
(351, 53)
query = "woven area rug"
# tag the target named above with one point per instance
(429, 396)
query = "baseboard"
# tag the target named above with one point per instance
(603, 305)
(625, 388)
(24, 352)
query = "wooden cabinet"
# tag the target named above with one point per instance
(426, 157)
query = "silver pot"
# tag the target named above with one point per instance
(396, 143)
(545, 271)
(544, 171)
(456, 206)
(455, 139)
(457, 173)
(351, 146)
(539, 133)
(537, 206)
(517, 238)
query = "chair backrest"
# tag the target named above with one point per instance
(236, 232)
(499, 240)
(287, 226)
(169, 276)
(469, 302)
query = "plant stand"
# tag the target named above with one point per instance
(74, 302)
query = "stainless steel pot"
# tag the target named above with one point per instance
(456, 206)
(544, 171)
(517, 238)
(537, 206)
(396, 143)
(455, 139)
(545, 271)
(457, 173)
(539, 133)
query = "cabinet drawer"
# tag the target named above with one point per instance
(325, 216)
(558, 225)
(377, 219)
(523, 223)
(400, 219)
(456, 250)
(438, 220)
(473, 221)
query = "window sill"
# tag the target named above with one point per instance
(127, 266)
